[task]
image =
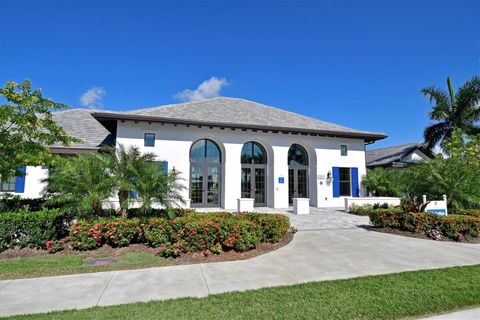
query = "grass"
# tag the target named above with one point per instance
(394, 296)
(73, 263)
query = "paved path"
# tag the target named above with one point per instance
(343, 252)
(469, 314)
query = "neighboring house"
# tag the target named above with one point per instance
(228, 148)
(399, 156)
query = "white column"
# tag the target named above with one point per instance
(280, 170)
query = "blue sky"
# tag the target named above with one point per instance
(356, 63)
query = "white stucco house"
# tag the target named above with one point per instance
(226, 149)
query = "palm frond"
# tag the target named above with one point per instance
(442, 107)
(436, 133)
(468, 98)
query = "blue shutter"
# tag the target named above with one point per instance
(20, 181)
(355, 189)
(165, 166)
(133, 194)
(336, 182)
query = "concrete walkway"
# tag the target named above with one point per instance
(469, 314)
(343, 252)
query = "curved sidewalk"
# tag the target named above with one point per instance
(311, 256)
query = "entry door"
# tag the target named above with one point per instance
(205, 186)
(297, 183)
(254, 184)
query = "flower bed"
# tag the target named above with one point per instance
(192, 232)
(454, 226)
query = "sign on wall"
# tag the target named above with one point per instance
(281, 180)
(437, 206)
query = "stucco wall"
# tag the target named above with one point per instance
(173, 145)
(33, 182)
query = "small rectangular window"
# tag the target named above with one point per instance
(7, 185)
(345, 182)
(343, 150)
(149, 140)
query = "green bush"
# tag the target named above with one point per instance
(458, 227)
(466, 212)
(361, 210)
(387, 218)
(191, 232)
(32, 229)
(121, 232)
(158, 232)
(13, 203)
(273, 226)
(420, 222)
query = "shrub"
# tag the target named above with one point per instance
(86, 236)
(466, 212)
(13, 203)
(421, 222)
(121, 232)
(54, 246)
(361, 210)
(387, 218)
(273, 226)
(457, 227)
(157, 232)
(32, 229)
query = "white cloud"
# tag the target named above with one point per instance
(207, 89)
(93, 97)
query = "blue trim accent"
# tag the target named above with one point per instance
(20, 181)
(133, 194)
(336, 182)
(355, 188)
(165, 166)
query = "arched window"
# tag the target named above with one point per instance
(297, 156)
(205, 150)
(297, 172)
(254, 173)
(205, 174)
(253, 153)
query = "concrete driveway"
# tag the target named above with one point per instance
(341, 251)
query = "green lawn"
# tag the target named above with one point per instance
(70, 264)
(394, 296)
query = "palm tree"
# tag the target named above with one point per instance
(81, 184)
(157, 186)
(452, 111)
(126, 167)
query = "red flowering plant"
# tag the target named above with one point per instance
(54, 246)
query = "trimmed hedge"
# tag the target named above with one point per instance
(466, 212)
(32, 229)
(192, 232)
(453, 226)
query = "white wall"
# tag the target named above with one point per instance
(173, 145)
(34, 187)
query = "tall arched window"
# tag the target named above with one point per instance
(254, 172)
(297, 172)
(205, 174)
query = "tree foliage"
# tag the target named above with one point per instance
(84, 182)
(453, 111)
(27, 128)
(383, 182)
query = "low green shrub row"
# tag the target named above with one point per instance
(32, 229)
(191, 232)
(453, 226)
(466, 212)
(364, 209)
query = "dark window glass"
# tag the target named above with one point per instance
(345, 182)
(253, 152)
(149, 140)
(297, 156)
(343, 150)
(7, 185)
(205, 151)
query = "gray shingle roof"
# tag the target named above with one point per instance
(389, 155)
(235, 111)
(80, 124)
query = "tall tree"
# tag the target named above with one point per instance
(451, 111)
(27, 128)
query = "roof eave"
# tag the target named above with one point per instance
(357, 135)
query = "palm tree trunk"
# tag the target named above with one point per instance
(123, 202)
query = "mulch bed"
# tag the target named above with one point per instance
(418, 235)
(187, 258)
